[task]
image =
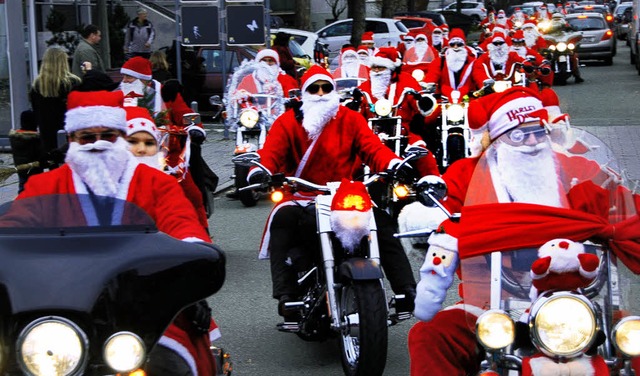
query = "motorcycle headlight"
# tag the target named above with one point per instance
(561, 47)
(383, 107)
(401, 190)
(455, 113)
(571, 46)
(500, 86)
(124, 352)
(626, 336)
(52, 346)
(563, 324)
(249, 118)
(552, 47)
(418, 74)
(495, 330)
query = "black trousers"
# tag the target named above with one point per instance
(293, 232)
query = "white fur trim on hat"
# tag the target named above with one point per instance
(378, 61)
(512, 114)
(317, 77)
(142, 124)
(95, 116)
(135, 74)
(444, 241)
(267, 52)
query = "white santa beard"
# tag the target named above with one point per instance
(100, 170)
(498, 54)
(380, 83)
(364, 59)
(436, 39)
(530, 37)
(136, 87)
(266, 73)
(529, 178)
(350, 68)
(155, 161)
(520, 50)
(501, 21)
(421, 49)
(456, 59)
(350, 227)
(318, 111)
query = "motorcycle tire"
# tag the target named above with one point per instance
(248, 198)
(363, 345)
(455, 147)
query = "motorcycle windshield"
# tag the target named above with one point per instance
(569, 188)
(348, 83)
(100, 260)
(252, 86)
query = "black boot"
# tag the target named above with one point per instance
(579, 80)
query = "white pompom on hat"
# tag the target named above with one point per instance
(95, 109)
(267, 52)
(139, 120)
(137, 67)
(387, 57)
(315, 73)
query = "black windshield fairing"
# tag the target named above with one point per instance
(126, 276)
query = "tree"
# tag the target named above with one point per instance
(337, 8)
(357, 12)
(303, 15)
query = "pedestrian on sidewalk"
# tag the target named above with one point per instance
(139, 36)
(87, 51)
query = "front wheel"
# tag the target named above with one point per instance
(364, 334)
(250, 197)
(455, 147)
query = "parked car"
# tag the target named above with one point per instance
(386, 31)
(622, 19)
(436, 17)
(602, 9)
(598, 41)
(419, 24)
(473, 9)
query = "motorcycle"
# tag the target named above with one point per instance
(250, 116)
(107, 293)
(561, 49)
(455, 134)
(387, 125)
(343, 293)
(560, 329)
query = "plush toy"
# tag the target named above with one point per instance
(415, 216)
(436, 275)
(562, 265)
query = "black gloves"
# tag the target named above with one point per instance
(257, 177)
(199, 314)
(405, 173)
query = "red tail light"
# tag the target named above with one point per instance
(607, 35)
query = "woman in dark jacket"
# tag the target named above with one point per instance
(49, 95)
(281, 45)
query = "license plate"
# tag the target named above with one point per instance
(562, 58)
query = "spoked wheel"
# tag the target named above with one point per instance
(363, 339)
(249, 197)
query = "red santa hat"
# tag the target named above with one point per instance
(367, 37)
(421, 35)
(518, 35)
(351, 195)
(137, 67)
(139, 120)
(457, 35)
(362, 49)
(313, 74)
(95, 109)
(498, 36)
(351, 213)
(348, 51)
(444, 28)
(501, 112)
(267, 52)
(387, 57)
(529, 24)
(501, 13)
(408, 37)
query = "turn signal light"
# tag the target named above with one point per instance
(137, 372)
(401, 191)
(277, 196)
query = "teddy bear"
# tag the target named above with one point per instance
(562, 264)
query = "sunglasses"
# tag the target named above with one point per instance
(456, 44)
(420, 40)
(519, 135)
(89, 138)
(314, 88)
(517, 41)
(497, 43)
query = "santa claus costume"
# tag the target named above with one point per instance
(499, 63)
(390, 84)
(543, 71)
(457, 66)
(114, 172)
(144, 90)
(443, 343)
(256, 84)
(424, 57)
(321, 146)
(350, 66)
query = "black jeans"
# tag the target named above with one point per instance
(293, 231)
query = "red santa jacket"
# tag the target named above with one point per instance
(483, 68)
(465, 82)
(344, 141)
(287, 83)
(429, 63)
(363, 72)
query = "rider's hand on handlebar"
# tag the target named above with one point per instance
(257, 177)
(404, 174)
